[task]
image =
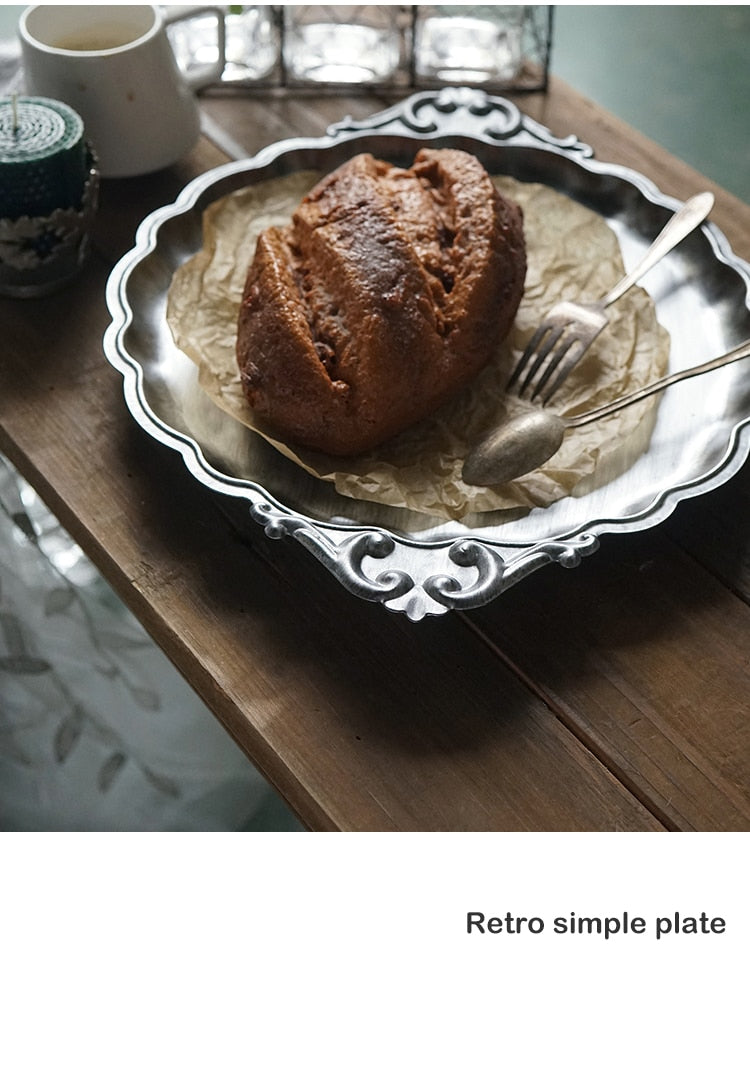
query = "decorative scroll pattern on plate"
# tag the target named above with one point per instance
(473, 572)
(459, 108)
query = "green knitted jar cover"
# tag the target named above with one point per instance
(42, 157)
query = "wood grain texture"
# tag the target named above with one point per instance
(611, 697)
(645, 656)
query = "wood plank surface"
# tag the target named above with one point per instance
(645, 656)
(611, 697)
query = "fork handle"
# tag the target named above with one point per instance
(692, 213)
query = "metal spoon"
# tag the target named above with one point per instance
(526, 442)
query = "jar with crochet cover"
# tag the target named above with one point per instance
(48, 195)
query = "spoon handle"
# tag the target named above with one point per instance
(736, 353)
(692, 213)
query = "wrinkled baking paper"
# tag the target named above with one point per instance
(572, 254)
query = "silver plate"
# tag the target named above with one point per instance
(409, 562)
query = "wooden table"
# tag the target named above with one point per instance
(615, 696)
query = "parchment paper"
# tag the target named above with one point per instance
(572, 254)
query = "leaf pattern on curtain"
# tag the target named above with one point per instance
(98, 731)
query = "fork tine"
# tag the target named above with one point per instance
(534, 356)
(527, 353)
(583, 338)
(556, 369)
(573, 356)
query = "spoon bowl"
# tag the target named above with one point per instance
(516, 447)
(524, 443)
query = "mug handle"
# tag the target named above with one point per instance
(207, 73)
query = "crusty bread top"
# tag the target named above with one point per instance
(384, 296)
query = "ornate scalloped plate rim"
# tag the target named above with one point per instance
(418, 578)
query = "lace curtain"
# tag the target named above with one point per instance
(98, 731)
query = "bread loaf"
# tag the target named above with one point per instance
(385, 295)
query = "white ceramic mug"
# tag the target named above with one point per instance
(114, 65)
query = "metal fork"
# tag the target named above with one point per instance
(569, 329)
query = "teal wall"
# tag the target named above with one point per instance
(679, 74)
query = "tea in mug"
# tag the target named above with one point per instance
(94, 39)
